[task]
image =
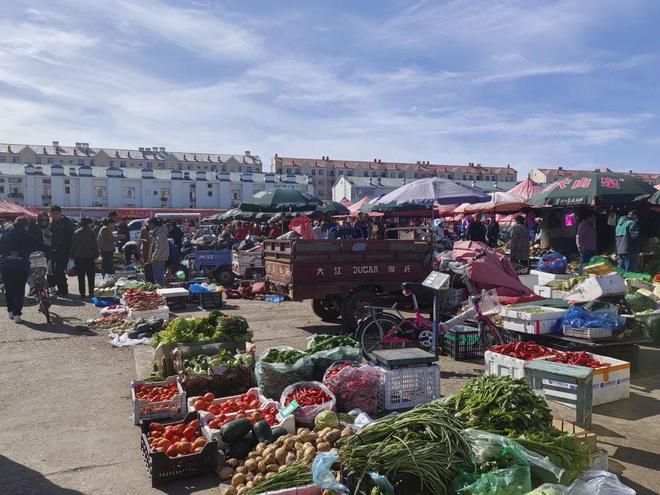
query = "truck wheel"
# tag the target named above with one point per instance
(224, 276)
(324, 309)
(353, 308)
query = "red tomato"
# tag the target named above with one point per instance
(194, 424)
(178, 429)
(199, 442)
(199, 405)
(155, 434)
(169, 434)
(155, 427)
(189, 433)
(209, 397)
(213, 409)
(172, 450)
(185, 447)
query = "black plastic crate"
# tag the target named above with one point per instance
(462, 345)
(511, 336)
(177, 302)
(210, 300)
(163, 468)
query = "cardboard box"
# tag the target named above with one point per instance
(595, 287)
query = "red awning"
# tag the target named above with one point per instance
(9, 209)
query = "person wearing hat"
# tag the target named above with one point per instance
(627, 241)
(159, 249)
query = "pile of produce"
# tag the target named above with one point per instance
(156, 393)
(312, 397)
(176, 440)
(328, 349)
(523, 350)
(502, 405)
(328, 342)
(215, 327)
(280, 355)
(125, 285)
(267, 414)
(275, 460)
(105, 292)
(578, 359)
(336, 368)
(245, 402)
(107, 321)
(567, 285)
(307, 396)
(204, 365)
(424, 445)
(355, 387)
(140, 300)
(281, 366)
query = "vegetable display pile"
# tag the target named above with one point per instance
(243, 403)
(355, 387)
(141, 300)
(153, 394)
(327, 342)
(335, 369)
(176, 440)
(425, 444)
(215, 327)
(204, 365)
(578, 359)
(308, 396)
(567, 285)
(500, 404)
(107, 321)
(287, 356)
(105, 292)
(267, 414)
(132, 284)
(563, 450)
(523, 350)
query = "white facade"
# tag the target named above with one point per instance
(99, 187)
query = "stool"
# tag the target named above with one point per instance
(564, 383)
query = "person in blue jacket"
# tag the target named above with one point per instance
(15, 249)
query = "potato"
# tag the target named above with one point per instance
(249, 485)
(230, 490)
(225, 473)
(260, 447)
(242, 491)
(232, 463)
(272, 468)
(289, 444)
(258, 479)
(280, 455)
(307, 437)
(238, 479)
(249, 477)
(281, 468)
(261, 467)
(302, 431)
(240, 469)
(333, 436)
(290, 458)
(251, 465)
(323, 447)
(270, 459)
(347, 432)
(268, 451)
(268, 475)
(309, 452)
(308, 445)
(253, 454)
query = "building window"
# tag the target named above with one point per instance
(112, 163)
(288, 171)
(122, 163)
(49, 161)
(129, 192)
(37, 161)
(350, 173)
(161, 164)
(91, 162)
(314, 171)
(2, 159)
(374, 174)
(81, 162)
(249, 169)
(155, 193)
(150, 165)
(100, 191)
(340, 172)
(70, 162)
(67, 181)
(235, 195)
(450, 176)
(366, 174)
(210, 193)
(400, 175)
(67, 190)
(2, 189)
(321, 172)
(16, 159)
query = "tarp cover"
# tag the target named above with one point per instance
(494, 271)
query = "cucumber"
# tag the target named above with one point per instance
(241, 449)
(235, 430)
(278, 431)
(262, 432)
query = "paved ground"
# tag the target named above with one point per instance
(65, 413)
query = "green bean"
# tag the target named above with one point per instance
(297, 474)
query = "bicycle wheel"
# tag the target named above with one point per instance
(371, 338)
(489, 335)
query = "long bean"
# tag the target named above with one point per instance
(297, 474)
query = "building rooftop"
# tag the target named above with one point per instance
(393, 183)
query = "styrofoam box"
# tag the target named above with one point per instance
(163, 313)
(545, 278)
(501, 365)
(256, 391)
(529, 280)
(173, 292)
(609, 384)
(543, 291)
(537, 327)
(547, 313)
(595, 287)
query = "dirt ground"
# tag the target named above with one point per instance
(66, 408)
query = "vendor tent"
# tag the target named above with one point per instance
(280, 199)
(445, 210)
(525, 189)
(331, 208)
(435, 190)
(345, 202)
(500, 202)
(9, 209)
(355, 207)
(593, 188)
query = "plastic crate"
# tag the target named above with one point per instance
(406, 387)
(210, 300)
(163, 468)
(587, 333)
(462, 343)
(177, 302)
(175, 408)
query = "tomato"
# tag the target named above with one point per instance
(189, 433)
(164, 443)
(155, 434)
(185, 447)
(199, 442)
(199, 405)
(197, 450)
(213, 409)
(155, 427)
(169, 434)
(209, 397)
(178, 429)
(214, 424)
(172, 450)
(194, 424)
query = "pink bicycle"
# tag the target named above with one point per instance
(387, 328)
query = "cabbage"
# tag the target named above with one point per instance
(325, 419)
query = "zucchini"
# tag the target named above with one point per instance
(241, 449)
(262, 431)
(235, 430)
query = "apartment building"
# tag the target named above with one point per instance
(325, 171)
(547, 175)
(154, 157)
(113, 187)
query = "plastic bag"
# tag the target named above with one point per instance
(322, 474)
(273, 378)
(578, 317)
(306, 414)
(591, 482)
(324, 359)
(637, 302)
(356, 388)
(552, 263)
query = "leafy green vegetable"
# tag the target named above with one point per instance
(215, 327)
(325, 419)
(203, 365)
(326, 342)
(288, 356)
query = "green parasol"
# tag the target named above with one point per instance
(593, 188)
(280, 199)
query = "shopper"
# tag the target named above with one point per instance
(15, 248)
(476, 231)
(159, 250)
(131, 251)
(492, 231)
(627, 241)
(84, 252)
(106, 244)
(586, 238)
(122, 233)
(519, 242)
(61, 229)
(176, 234)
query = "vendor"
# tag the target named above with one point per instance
(585, 238)
(520, 242)
(476, 231)
(627, 241)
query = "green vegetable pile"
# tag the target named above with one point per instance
(567, 285)
(203, 365)
(297, 474)
(424, 444)
(327, 342)
(502, 405)
(215, 327)
(284, 356)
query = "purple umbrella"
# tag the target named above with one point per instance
(435, 190)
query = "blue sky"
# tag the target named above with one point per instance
(531, 84)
